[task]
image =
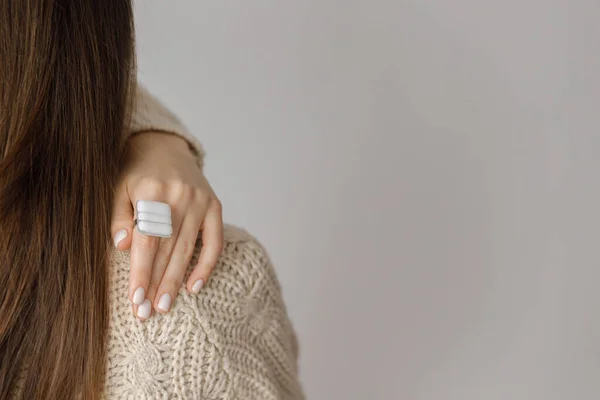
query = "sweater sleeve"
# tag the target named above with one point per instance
(149, 114)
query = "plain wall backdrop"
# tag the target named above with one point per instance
(424, 173)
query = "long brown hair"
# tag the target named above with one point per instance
(65, 78)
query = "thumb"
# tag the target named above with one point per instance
(122, 219)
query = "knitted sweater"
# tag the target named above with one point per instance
(149, 114)
(233, 340)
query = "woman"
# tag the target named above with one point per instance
(66, 329)
(161, 166)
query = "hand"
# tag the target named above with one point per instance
(160, 167)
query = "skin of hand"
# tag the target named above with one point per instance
(161, 167)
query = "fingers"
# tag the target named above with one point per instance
(122, 219)
(143, 250)
(181, 199)
(147, 269)
(164, 253)
(212, 245)
(159, 265)
(180, 259)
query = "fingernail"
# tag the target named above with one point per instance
(144, 309)
(138, 296)
(164, 303)
(122, 234)
(197, 286)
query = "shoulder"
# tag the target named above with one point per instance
(232, 340)
(246, 258)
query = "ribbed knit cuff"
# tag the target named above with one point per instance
(150, 115)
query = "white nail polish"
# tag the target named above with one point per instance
(122, 234)
(197, 286)
(138, 296)
(164, 303)
(144, 309)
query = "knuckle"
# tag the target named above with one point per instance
(186, 192)
(187, 249)
(151, 187)
(176, 188)
(163, 250)
(162, 243)
(198, 192)
(201, 196)
(146, 242)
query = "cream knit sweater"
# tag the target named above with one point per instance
(233, 340)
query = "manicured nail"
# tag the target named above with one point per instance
(197, 286)
(164, 303)
(138, 296)
(122, 234)
(144, 309)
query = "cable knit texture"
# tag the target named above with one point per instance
(233, 340)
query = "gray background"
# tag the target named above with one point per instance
(424, 174)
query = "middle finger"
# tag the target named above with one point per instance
(143, 250)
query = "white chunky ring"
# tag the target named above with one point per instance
(153, 218)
